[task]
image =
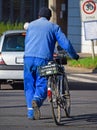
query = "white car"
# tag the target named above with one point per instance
(11, 56)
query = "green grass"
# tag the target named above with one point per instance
(87, 62)
(9, 26)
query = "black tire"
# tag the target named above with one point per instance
(60, 98)
(66, 97)
(56, 108)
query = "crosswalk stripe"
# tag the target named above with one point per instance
(85, 75)
(82, 78)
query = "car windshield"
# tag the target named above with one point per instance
(14, 42)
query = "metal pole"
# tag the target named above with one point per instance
(35, 9)
(22, 10)
(11, 11)
(0, 10)
(93, 52)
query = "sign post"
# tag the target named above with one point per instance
(89, 17)
(93, 53)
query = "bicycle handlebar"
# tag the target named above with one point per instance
(60, 57)
(60, 54)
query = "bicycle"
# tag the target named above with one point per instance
(58, 89)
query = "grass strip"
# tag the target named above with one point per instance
(87, 62)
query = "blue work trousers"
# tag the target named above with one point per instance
(35, 87)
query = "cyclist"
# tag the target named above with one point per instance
(40, 40)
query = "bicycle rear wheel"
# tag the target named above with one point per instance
(66, 96)
(56, 108)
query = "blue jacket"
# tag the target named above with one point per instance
(41, 37)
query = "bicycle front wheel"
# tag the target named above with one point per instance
(55, 105)
(66, 96)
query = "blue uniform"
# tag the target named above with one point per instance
(40, 42)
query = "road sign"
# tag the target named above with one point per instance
(90, 30)
(88, 10)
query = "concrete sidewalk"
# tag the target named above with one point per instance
(69, 69)
(82, 55)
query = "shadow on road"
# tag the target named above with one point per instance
(90, 119)
(82, 86)
(19, 106)
(85, 120)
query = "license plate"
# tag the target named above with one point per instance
(19, 60)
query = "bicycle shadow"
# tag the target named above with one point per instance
(88, 119)
(85, 120)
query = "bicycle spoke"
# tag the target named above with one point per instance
(56, 109)
(66, 97)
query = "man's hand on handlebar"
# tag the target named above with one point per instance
(77, 57)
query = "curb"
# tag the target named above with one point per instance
(69, 69)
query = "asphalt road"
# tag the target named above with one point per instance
(83, 108)
(13, 112)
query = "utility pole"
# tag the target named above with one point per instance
(52, 6)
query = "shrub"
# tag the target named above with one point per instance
(10, 26)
